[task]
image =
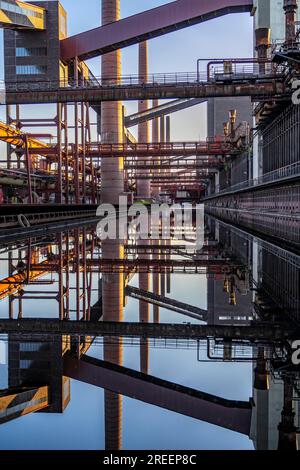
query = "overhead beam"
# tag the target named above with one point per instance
(165, 302)
(162, 110)
(148, 25)
(230, 414)
(255, 332)
(48, 92)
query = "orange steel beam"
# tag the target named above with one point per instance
(147, 25)
(14, 283)
(13, 136)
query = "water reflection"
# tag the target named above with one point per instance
(234, 285)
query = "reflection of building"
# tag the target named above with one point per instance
(21, 401)
(229, 300)
(266, 416)
(34, 363)
(276, 417)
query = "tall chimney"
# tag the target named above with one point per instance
(290, 7)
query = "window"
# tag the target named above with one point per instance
(27, 363)
(14, 8)
(31, 69)
(32, 347)
(31, 51)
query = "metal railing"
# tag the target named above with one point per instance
(286, 172)
(218, 147)
(216, 72)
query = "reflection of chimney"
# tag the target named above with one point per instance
(144, 309)
(290, 8)
(112, 303)
(263, 41)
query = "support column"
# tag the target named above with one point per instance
(143, 186)
(155, 138)
(111, 115)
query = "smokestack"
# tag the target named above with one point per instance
(155, 138)
(263, 41)
(143, 186)
(112, 173)
(290, 8)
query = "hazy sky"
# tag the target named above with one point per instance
(230, 36)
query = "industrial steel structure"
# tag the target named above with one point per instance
(246, 172)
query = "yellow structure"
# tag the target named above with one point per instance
(21, 15)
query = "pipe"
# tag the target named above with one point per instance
(290, 8)
(263, 42)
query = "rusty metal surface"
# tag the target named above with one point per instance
(147, 25)
(257, 90)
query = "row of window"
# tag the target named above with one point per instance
(27, 363)
(14, 8)
(22, 406)
(31, 69)
(32, 347)
(31, 51)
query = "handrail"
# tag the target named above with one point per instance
(292, 170)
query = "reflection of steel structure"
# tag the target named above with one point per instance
(68, 274)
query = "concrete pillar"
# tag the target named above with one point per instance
(112, 187)
(111, 115)
(143, 186)
(112, 304)
(155, 138)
